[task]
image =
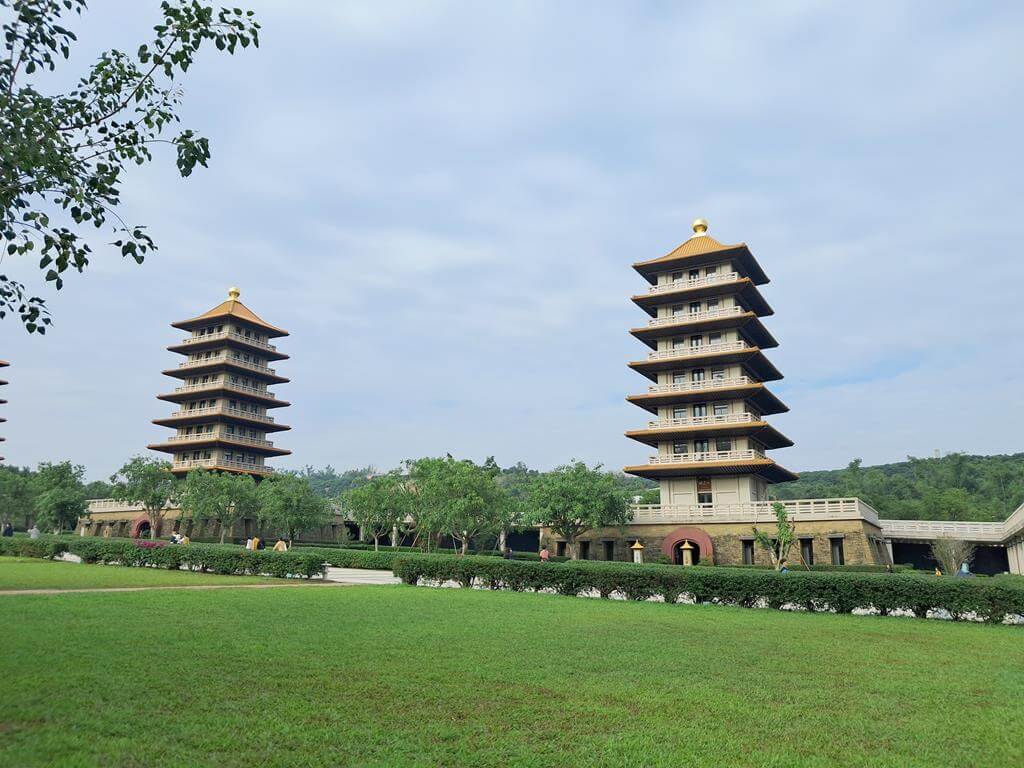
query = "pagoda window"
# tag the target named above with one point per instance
(714, 338)
(700, 410)
(679, 448)
(701, 446)
(712, 270)
(723, 444)
(207, 454)
(676, 277)
(838, 556)
(748, 552)
(704, 495)
(195, 454)
(694, 307)
(720, 409)
(679, 377)
(807, 551)
(713, 303)
(695, 274)
(718, 374)
(696, 341)
(697, 374)
(679, 413)
(231, 429)
(678, 343)
(677, 309)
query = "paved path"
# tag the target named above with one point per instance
(361, 576)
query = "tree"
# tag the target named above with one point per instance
(149, 482)
(287, 502)
(455, 497)
(575, 499)
(223, 497)
(63, 157)
(379, 505)
(950, 554)
(59, 495)
(17, 495)
(781, 541)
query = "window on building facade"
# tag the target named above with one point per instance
(694, 274)
(748, 552)
(838, 557)
(697, 374)
(609, 550)
(677, 276)
(700, 410)
(679, 447)
(678, 377)
(678, 309)
(678, 343)
(718, 373)
(701, 446)
(704, 495)
(679, 412)
(807, 551)
(713, 269)
(714, 338)
(559, 549)
(694, 307)
(720, 409)
(713, 304)
(696, 341)
(584, 550)
(723, 443)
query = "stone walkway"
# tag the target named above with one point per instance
(361, 576)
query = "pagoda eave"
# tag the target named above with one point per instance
(267, 401)
(764, 468)
(751, 358)
(756, 394)
(738, 254)
(747, 323)
(219, 341)
(221, 365)
(185, 419)
(743, 289)
(764, 432)
(202, 442)
(218, 467)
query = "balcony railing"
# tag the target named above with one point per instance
(690, 458)
(695, 317)
(703, 421)
(224, 335)
(700, 386)
(224, 358)
(221, 410)
(228, 463)
(225, 385)
(220, 434)
(800, 510)
(681, 285)
(936, 529)
(700, 350)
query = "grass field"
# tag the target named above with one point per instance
(405, 676)
(27, 573)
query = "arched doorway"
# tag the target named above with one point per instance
(686, 552)
(699, 541)
(141, 528)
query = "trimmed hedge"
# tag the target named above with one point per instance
(815, 591)
(826, 567)
(211, 558)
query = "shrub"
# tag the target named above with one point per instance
(990, 600)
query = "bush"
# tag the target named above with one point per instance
(813, 591)
(823, 567)
(213, 558)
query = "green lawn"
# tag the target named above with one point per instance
(27, 573)
(406, 676)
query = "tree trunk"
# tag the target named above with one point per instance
(465, 545)
(573, 550)
(223, 531)
(394, 537)
(502, 539)
(376, 540)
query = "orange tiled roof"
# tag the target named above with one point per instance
(695, 246)
(232, 308)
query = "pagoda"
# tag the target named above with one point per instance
(222, 422)
(709, 373)
(3, 364)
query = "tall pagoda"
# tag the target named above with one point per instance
(223, 422)
(3, 364)
(709, 374)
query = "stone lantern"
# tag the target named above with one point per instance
(687, 550)
(638, 551)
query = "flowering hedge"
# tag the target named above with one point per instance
(814, 591)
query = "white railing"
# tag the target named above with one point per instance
(695, 317)
(113, 505)
(228, 463)
(700, 386)
(682, 285)
(703, 421)
(700, 350)
(225, 385)
(219, 410)
(220, 434)
(224, 335)
(225, 359)
(689, 458)
(800, 510)
(943, 529)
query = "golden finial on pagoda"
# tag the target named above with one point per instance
(700, 226)
(234, 293)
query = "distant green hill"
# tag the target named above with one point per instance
(953, 487)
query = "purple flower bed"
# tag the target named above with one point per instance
(150, 544)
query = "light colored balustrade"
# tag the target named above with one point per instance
(199, 363)
(220, 434)
(700, 386)
(800, 510)
(695, 317)
(218, 410)
(225, 385)
(224, 335)
(699, 351)
(702, 421)
(944, 529)
(690, 458)
(681, 285)
(225, 463)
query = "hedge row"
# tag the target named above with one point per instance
(210, 558)
(828, 567)
(363, 547)
(838, 592)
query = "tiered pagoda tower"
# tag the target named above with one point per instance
(222, 421)
(709, 372)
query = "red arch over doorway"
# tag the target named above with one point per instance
(696, 535)
(137, 525)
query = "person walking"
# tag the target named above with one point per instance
(280, 546)
(964, 572)
(8, 529)
(545, 555)
(248, 544)
(33, 532)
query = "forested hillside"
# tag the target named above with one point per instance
(953, 487)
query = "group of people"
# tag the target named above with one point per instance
(256, 543)
(177, 538)
(8, 530)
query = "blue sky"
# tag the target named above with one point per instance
(441, 202)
